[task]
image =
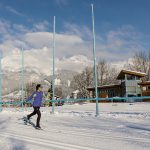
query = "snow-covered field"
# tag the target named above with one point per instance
(121, 126)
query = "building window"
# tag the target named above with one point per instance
(148, 88)
(144, 88)
(138, 78)
(131, 95)
(130, 77)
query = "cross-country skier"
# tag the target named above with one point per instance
(37, 96)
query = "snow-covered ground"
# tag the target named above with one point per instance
(120, 126)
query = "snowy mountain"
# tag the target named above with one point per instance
(12, 79)
(16, 95)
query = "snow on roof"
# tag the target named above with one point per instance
(144, 83)
(147, 81)
(110, 85)
(135, 71)
(103, 86)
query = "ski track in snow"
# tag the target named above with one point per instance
(68, 132)
(46, 143)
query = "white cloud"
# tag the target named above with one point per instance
(115, 45)
(61, 2)
(76, 63)
(120, 44)
(41, 60)
(39, 50)
(66, 45)
(14, 11)
(34, 59)
(20, 28)
(73, 47)
(81, 31)
(5, 30)
(41, 26)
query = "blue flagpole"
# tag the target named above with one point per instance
(95, 68)
(1, 80)
(22, 75)
(53, 82)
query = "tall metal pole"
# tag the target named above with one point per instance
(0, 80)
(95, 68)
(22, 77)
(53, 82)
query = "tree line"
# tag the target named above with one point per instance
(107, 73)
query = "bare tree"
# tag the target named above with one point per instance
(141, 63)
(58, 91)
(82, 81)
(148, 69)
(107, 74)
(111, 76)
(102, 71)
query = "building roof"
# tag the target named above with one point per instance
(130, 72)
(144, 83)
(105, 87)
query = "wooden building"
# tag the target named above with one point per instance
(145, 88)
(106, 91)
(129, 83)
(128, 87)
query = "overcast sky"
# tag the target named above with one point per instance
(122, 27)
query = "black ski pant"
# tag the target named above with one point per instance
(36, 111)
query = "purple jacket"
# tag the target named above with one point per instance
(37, 96)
